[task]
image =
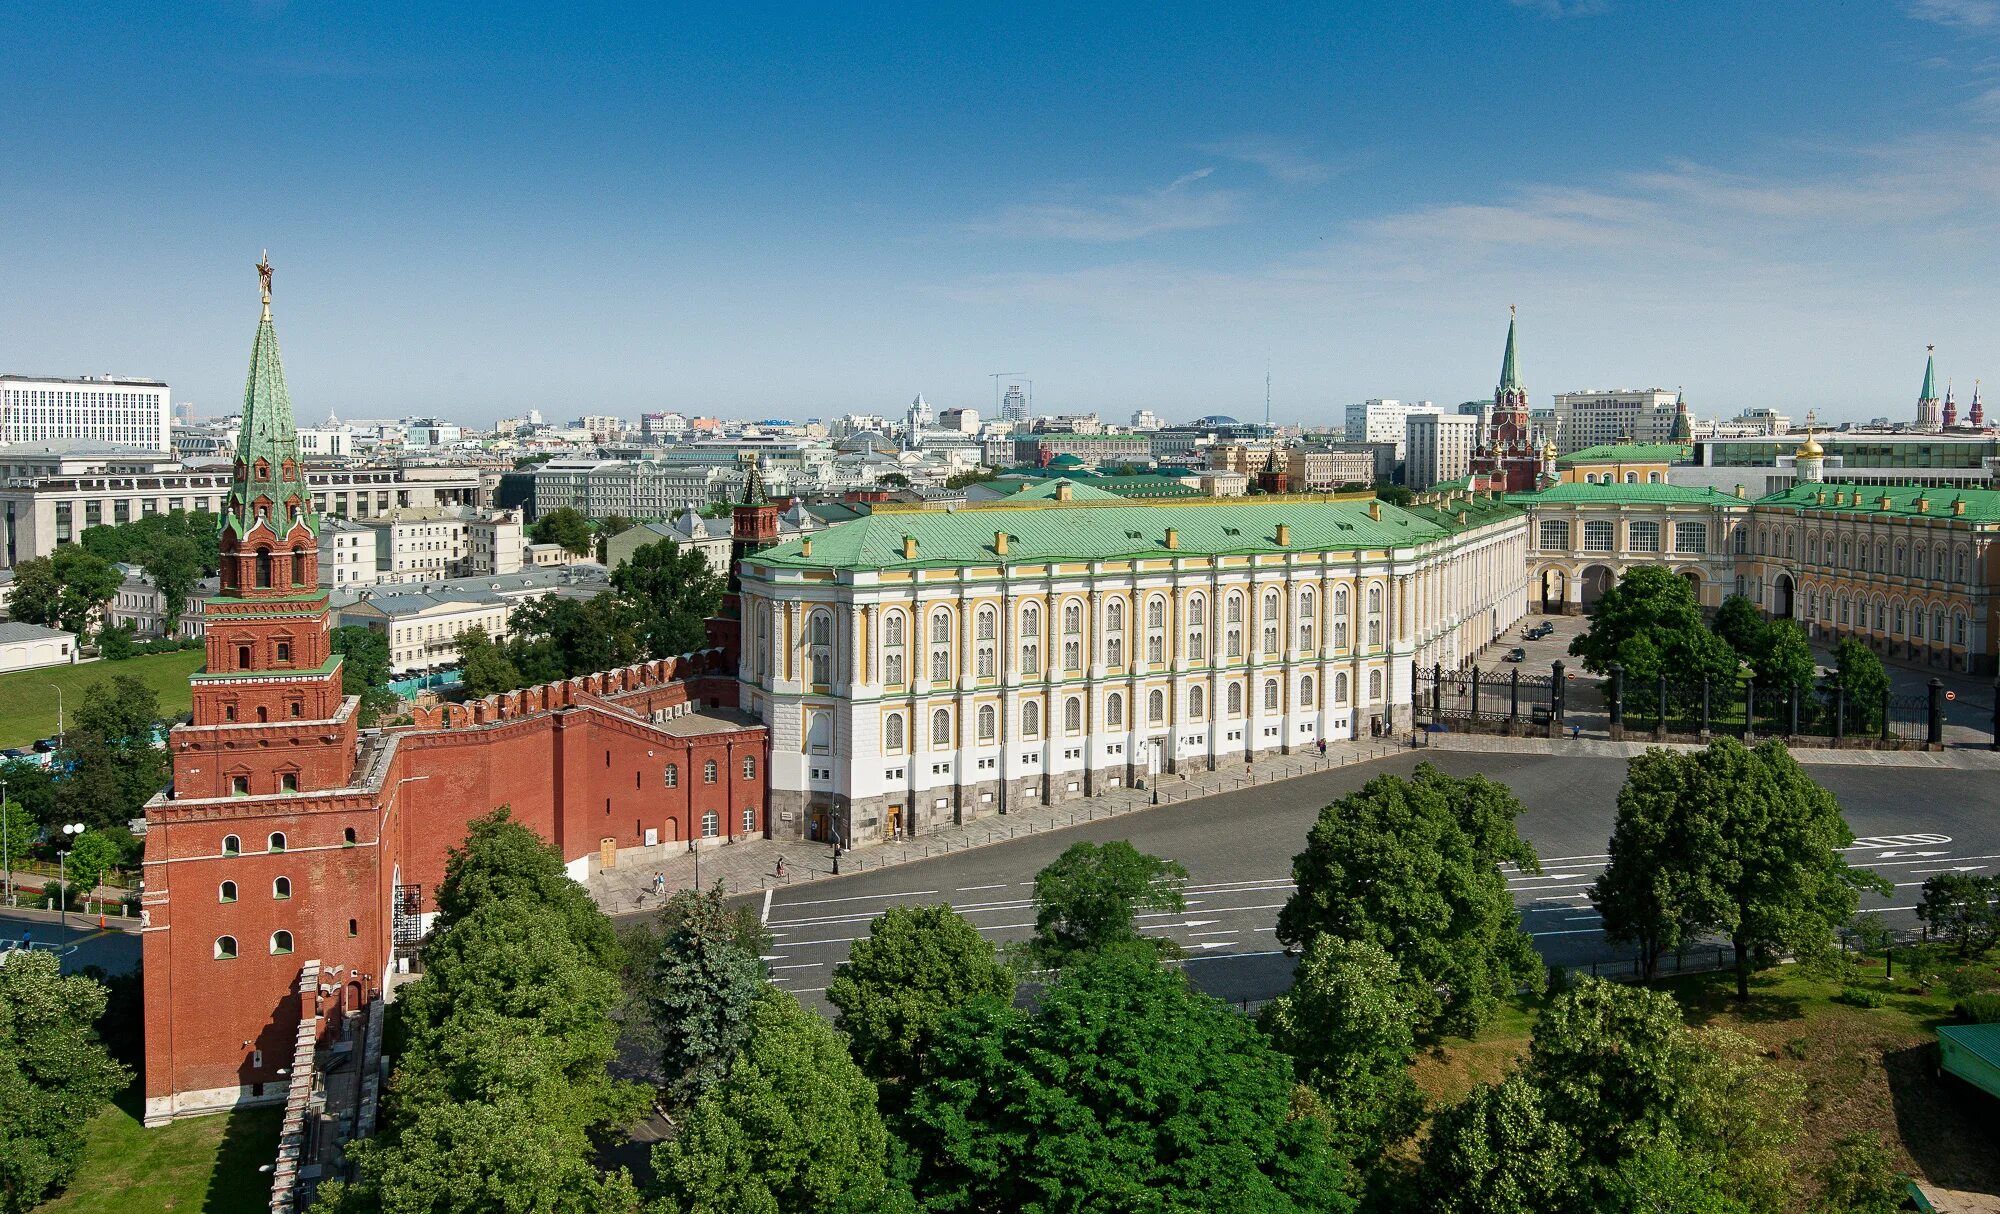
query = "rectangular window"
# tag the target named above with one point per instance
(1690, 537)
(1597, 535)
(1554, 534)
(1643, 536)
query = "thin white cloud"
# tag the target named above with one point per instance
(1185, 204)
(1959, 14)
(1558, 9)
(1284, 162)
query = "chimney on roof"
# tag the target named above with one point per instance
(1000, 543)
(1821, 498)
(1884, 503)
(1173, 538)
(1923, 504)
(1740, 492)
(1284, 535)
(806, 546)
(1375, 510)
(1958, 505)
(909, 547)
(1062, 491)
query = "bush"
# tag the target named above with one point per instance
(1859, 996)
(1558, 980)
(1978, 1009)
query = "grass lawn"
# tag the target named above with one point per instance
(28, 703)
(1871, 1070)
(205, 1165)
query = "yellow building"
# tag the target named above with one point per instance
(1621, 464)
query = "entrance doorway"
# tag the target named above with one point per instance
(1781, 597)
(819, 822)
(1555, 591)
(892, 823)
(1596, 580)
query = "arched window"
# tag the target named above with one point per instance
(1031, 620)
(941, 626)
(277, 841)
(1958, 628)
(1197, 621)
(1270, 695)
(1156, 612)
(892, 733)
(227, 893)
(1270, 621)
(983, 624)
(988, 722)
(1306, 693)
(708, 771)
(822, 647)
(1031, 639)
(1937, 625)
(1156, 706)
(673, 776)
(941, 666)
(1340, 689)
(1114, 710)
(1233, 609)
(1031, 719)
(1631, 478)
(711, 824)
(1340, 618)
(225, 948)
(1072, 618)
(1236, 699)
(1114, 616)
(263, 568)
(1073, 715)
(281, 888)
(231, 845)
(1374, 686)
(941, 728)
(1072, 655)
(1197, 703)
(892, 629)
(347, 837)
(281, 943)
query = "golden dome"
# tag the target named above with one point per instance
(1810, 449)
(1549, 449)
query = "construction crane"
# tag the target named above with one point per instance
(996, 377)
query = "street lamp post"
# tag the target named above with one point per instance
(72, 829)
(59, 715)
(6, 846)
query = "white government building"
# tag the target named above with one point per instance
(919, 666)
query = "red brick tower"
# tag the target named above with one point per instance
(1511, 460)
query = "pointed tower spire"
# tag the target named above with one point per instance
(1510, 370)
(1927, 397)
(1977, 417)
(1950, 407)
(270, 480)
(1683, 431)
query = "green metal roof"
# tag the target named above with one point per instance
(1651, 495)
(1981, 505)
(1629, 453)
(1979, 1045)
(1045, 532)
(1080, 491)
(268, 433)
(1929, 390)
(1510, 370)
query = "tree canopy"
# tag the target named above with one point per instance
(1730, 840)
(63, 589)
(566, 526)
(1960, 909)
(914, 967)
(673, 591)
(54, 1076)
(1413, 866)
(1859, 674)
(1782, 657)
(501, 858)
(1739, 622)
(1087, 899)
(1650, 623)
(113, 766)
(702, 989)
(1122, 1090)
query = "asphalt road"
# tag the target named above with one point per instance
(1238, 849)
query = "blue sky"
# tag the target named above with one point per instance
(808, 211)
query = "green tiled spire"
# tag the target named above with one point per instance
(1510, 371)
(1930, 375)
(268, 434)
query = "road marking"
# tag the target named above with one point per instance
(1572, 931)
(1545, 877)
(1925, 854)
(1956, 868)
(800, 965)
(966, 889)
(1882, 910)
(907, 893)
(1580, 918)
(1267, 952)
(1231, 932)
(766, 916)
(1873, 842)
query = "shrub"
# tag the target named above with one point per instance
(1978, 1009)
(1858, 996)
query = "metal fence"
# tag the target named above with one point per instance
(1506, 697)
(1747, 708)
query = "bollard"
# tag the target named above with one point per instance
(1749, 711)
(1937, 712)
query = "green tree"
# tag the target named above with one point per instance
(484, 667)
(960, 480)
(566, 526)
(1498, 1151)
(794, 1127)
(1861, 1178)
(1613, 1063)
(21, 831)
(1859, 673)
(1346, 1026)
(33, 787)
(175, 565)
(913, 968)
(91, 857)
(1086, 901)
(703, 988)
(1122, 1090)
(673, 592)
(54, 1076)
(1650, 601)
(1782, 658)
(1739, 622)
(365, 671)
(1960, 910)
(1646, 894)
(63, 589)
(558, 637)
(113, 766)
(1413, 866)
(1395, 495)
(130, 543)
(1762, 857)
(501, 858)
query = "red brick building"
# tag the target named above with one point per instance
(290, 836)
(1509, 460)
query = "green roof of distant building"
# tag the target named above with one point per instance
(1628, 453)
(1981, 505)
(1659, 494)
(1047, 532)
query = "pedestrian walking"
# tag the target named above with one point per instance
(781, 866)
(660, 884)
(1322, 748)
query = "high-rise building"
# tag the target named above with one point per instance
(1594, 418)
(1381, 421)
(919, 417)
(1014, 405)
(1439, 447)
(111, 409)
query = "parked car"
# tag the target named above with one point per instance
(44, 745)
(1516, 654)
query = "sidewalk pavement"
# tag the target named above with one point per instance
(749, 865)
(1956, 758)
(27, 889)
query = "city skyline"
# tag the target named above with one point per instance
(620, 214)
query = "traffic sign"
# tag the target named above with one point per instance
(1951, 695)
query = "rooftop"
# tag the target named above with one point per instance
(1043, 531)
(1629, 453)
(1652, 495)
(15, 630)
(1981, 505)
